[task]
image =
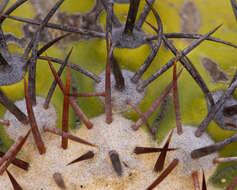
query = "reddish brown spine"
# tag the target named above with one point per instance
(86, 156)
(92, 94)
(145, 150)
(161, 159)
(17, 162)
(67, 135)
(35, 131)
(12, 152)
(15, 185)
(73, 103)
(141, 116)
(164, 174)
(66, 109)
(155, 104)
(108, 106)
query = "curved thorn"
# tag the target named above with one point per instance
(60, 27)
(154, 50)
(54, 83)
(49, 44)
(75, 67)
(115, 20)
(171, 62)
(234, 7)
(143, 15)
(11, 9)
(3, 6)
(191, 36)
(189, 67)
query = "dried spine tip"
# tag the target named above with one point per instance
(15, 185)
(66, 135)
(114, 157)
(35, 130)
(86, 156)
(164, 174)
(145, 150)
(161, 159)
(204, 183)
(59, 180)
(195, 180)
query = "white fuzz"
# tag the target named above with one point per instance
(43, 117)
(119, 98)
(187, 142)
(96, 173)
